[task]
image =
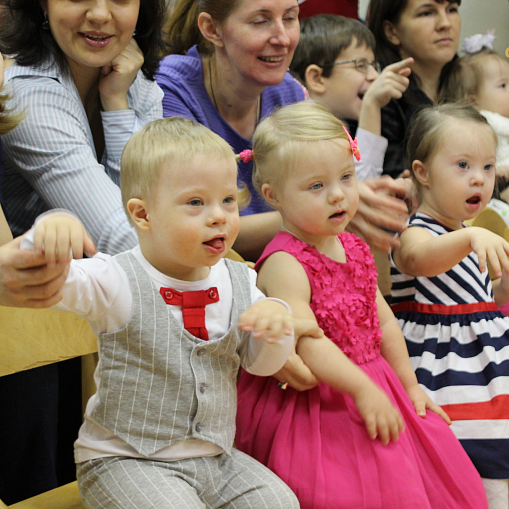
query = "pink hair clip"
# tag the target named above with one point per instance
(353, 144)
(246, 156)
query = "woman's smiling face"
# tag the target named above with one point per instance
(91, 33)
(259, 39)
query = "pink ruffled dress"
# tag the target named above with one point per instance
(316, 440)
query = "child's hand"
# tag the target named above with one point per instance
(489, 246)
(391, 84)
(57, 234)
(421, 401)
(382, 419)
(266, 319)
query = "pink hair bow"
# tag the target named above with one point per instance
(246, 156)
(353, 144)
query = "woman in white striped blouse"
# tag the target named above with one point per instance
(84, 73)
(85, 82)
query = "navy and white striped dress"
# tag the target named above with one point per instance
(458, 344)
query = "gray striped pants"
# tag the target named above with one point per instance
(236, 482)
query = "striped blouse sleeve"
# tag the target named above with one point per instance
(52, 150)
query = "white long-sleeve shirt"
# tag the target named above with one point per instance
(97, 289)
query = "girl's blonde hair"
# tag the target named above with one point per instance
(466, 78)
(427, 130)
(8, 118)
(161, 144)
(280, 139)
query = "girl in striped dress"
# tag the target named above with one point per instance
(442, 295)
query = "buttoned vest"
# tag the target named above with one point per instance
(158, 383)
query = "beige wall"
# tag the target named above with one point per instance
(477, 17)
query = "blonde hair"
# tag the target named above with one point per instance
(279, 138)
(467, 76)
(427, 130)
(8, 118)
(160, 144)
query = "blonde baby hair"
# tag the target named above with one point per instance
(466, 77)
(280, 139)
(427, 130)
(161, 144)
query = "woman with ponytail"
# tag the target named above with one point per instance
(227, 69)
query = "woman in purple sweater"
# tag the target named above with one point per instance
(227, 70)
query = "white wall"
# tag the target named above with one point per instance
(477, 16)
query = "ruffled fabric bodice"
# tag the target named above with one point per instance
(348, 317)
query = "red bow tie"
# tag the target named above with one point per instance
(193, 307)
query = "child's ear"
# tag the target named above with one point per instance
(390, 33)
(314, 81)
(139, 213)
(209, 29)
(421, 173)
(269, 194)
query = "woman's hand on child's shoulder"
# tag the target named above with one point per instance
(382, 418)
(489, 246)
(422, 401)
(59, 233)
(266, 319)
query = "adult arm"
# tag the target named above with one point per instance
(52, 150)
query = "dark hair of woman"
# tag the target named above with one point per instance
(387, 53)
(182, 27)
(22, 33)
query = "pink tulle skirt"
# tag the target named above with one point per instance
(316, 441)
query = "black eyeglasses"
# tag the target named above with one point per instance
(361, 64)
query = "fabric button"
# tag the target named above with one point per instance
(202, 387)
(199, 427)
(201, 351)
(212, 294)
(168, 295)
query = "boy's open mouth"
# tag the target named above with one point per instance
(474, 200)
(216, 243)
(337, 214)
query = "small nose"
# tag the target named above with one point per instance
(478, 177)
(336, 194)
(217, 215)
(279, 36)
(98, 11)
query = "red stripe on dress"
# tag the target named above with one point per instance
(497, 408)
(441, 309)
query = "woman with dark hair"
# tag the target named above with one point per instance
(84, 73)
(84, 77)
(428, 31)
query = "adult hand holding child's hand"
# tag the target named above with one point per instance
(58, 234)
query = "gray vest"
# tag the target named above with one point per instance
(160, 384)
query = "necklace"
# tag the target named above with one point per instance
(258, 108)
(291, 233)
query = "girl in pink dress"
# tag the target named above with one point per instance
(363, 438)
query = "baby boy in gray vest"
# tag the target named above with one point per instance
(175, 321)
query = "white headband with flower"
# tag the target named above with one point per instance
(477, 42)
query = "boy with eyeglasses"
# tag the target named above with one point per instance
(335, 61)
